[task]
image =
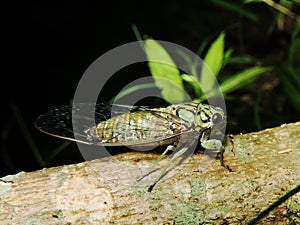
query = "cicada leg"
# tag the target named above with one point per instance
(220, 156)
(164, 169)
(152, 169)
(229, 138)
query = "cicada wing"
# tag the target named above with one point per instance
(56, 122)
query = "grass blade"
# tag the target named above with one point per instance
(241, 79)
(26, 133)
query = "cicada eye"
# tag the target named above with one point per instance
(217, 118)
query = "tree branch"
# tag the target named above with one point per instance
(262, 189)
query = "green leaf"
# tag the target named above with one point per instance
(192, 80)
(51, 156)
(136, 32)
(164, 72)
(252, 1)
(291, 83)
(292, 91)
(295, 1)
(294, 48)
(215, 54)
(27, 135)
(131, 90)
(227, 56)
(242, 78)
(242, 60)
(237, 8)
(213, 62)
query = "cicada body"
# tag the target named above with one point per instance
(118, 125)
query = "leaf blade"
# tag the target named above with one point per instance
(242, 78)
(164, 72)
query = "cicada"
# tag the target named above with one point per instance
(176, 126)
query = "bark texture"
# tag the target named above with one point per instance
(262, 189)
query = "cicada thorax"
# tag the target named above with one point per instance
(149, 125)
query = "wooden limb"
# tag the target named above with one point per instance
(262, 189)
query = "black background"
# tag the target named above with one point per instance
(51, 44)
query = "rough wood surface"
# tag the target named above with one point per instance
(262, 189)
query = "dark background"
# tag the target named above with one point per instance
(52, 44)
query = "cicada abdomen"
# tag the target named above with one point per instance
(144, 126)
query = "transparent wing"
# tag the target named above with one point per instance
(58, 122)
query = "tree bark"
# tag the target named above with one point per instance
(263, 187)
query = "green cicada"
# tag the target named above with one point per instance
(176, 126)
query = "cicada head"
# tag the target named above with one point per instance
(208, 116)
